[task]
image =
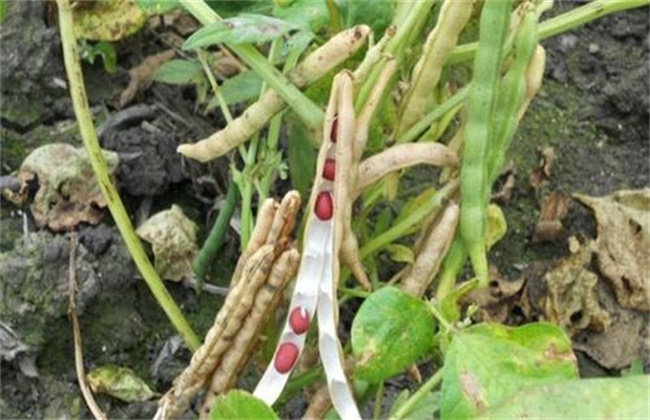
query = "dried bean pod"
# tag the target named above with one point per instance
(439, 44)
(206, 358)
(258, 237)
(401, 156)
(435, 247)
(255, 117)
(495, 19)
(247, 338)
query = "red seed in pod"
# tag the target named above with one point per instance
(329, 169)
(285, 357)
(324, 207)
(299, 320)
(334, 129)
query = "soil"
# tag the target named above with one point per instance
(593, 111)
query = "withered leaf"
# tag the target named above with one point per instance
(173, 239)
(542, 175)
(571, 298)
(549, 228)
(68, 192)
(623, 244)
(142, 75)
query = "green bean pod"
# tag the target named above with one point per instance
(451, 266)
(495, 19)
(512, 92)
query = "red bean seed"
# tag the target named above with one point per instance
(334, 130)
(329, 169)
(324, 207)
(299, 320)
(286, 357)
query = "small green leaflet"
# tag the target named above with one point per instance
(178, 72)
(243, 29)
(119, 382)
(157, 7)
(391, 331)
(239, 404)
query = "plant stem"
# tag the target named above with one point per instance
(214, 240)
(91, 143)
(405, 225)
(379, 399)
(562, 23)
(410, 404)
(434, 115)
(307, 110)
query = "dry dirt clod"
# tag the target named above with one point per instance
(68, 192)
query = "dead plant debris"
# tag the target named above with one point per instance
(68, 192)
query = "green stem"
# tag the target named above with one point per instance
(115, 206)
(379, 399)
(562, 23)
(401, 229)
(307, 110)
(410, 404)
(215, 239)
(214, 85)
(437, 113)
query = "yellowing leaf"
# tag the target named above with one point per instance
(173, 240)
(400, 253)
(107, 20)
(496, 226)
(119, 382)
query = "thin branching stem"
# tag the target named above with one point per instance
(91, 143)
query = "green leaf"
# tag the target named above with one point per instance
(177, 72)
(488, 363)
(301, 156)
(400, 253)
(158, 7)
(243, 29)
(376, 14)
(239, 404)
(241, 88)
(391, 331)
(3, 10)
(297, 43)
(119, 382)
(305, 12)
(614, 398)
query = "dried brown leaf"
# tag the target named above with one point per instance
(142, 76)
(549, 228)
(623, 244)
(68, 192)
(542, 175)
(173, 240)
(570, 297)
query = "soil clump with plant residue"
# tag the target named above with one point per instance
(593, 111)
